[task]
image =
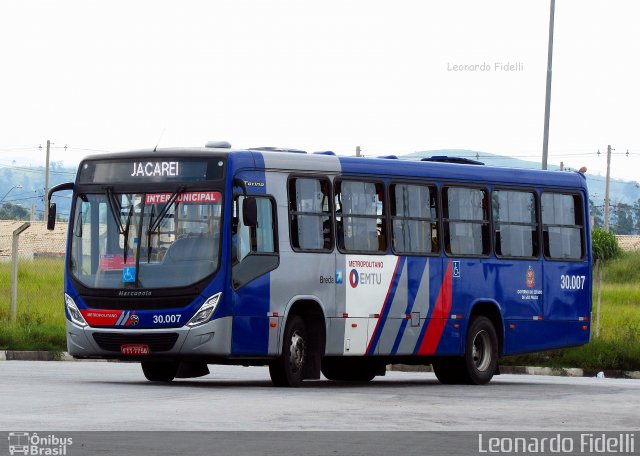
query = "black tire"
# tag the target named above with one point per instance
(480, 359)
(348, 370)
(160, 371)
(481, 353)
(288, 368)
(449, 371)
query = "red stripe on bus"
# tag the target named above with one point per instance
(439, 316)
(101, 317)
(384, 305)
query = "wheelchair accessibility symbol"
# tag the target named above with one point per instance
(456, 269)
(129, 275)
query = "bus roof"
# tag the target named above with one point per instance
(390, 167)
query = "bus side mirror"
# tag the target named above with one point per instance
(51, 218)
(249, 212)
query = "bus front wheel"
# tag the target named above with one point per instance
(160, 371)
(288, 368)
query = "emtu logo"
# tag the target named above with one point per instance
(354, 278)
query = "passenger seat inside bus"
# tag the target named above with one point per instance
(196, 253)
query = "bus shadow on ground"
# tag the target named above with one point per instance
(323, 384)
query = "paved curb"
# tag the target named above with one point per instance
(529, 370)
(16, 355)
(20, 355)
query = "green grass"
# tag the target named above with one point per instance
(625, 269)
(41, 320)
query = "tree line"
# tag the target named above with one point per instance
(623, 218)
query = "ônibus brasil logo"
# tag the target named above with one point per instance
(33, 444)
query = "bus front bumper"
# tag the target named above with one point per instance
(211, 339)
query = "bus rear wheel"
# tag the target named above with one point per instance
(160, 371)
(480, 359)
(481, 355)
(288, 368)
(449, 371)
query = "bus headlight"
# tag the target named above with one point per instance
(205, 312)
(73, 311)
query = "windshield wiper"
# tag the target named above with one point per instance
(165, 209)
(155, 224)
(153, 210)
(125, 233)
(116, 211)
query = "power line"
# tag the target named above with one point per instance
(33, 197)
(35, 170)
(89, 149)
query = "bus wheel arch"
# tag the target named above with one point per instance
(304, 336)
(483, 344)
(490, 310)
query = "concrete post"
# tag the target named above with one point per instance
(14, 270)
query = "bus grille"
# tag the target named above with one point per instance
(157, 342)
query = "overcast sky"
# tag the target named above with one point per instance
(327, 75)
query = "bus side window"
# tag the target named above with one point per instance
(562, 226)
(360, 216)
(254, 251)
(515, 223)
(253, 239)
(466, 221)
(310, 218)
(414, 218)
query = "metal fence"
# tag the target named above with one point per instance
(31, 275)
(628, 242)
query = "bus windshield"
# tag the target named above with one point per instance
(145, 240)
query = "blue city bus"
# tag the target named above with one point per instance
(312, 262)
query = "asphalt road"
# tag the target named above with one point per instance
(104, 396)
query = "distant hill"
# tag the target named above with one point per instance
(31, 179)
(621, 191)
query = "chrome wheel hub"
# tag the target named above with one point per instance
(481, 351)
(296, 352)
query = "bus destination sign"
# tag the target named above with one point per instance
(141, 171)
(151, 169)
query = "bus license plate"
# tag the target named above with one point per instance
(134, 349)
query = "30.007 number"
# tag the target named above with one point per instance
(572, 282)
(160, 319)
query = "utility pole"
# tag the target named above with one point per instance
(606, 189)
(46, 183)
(547, 103)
